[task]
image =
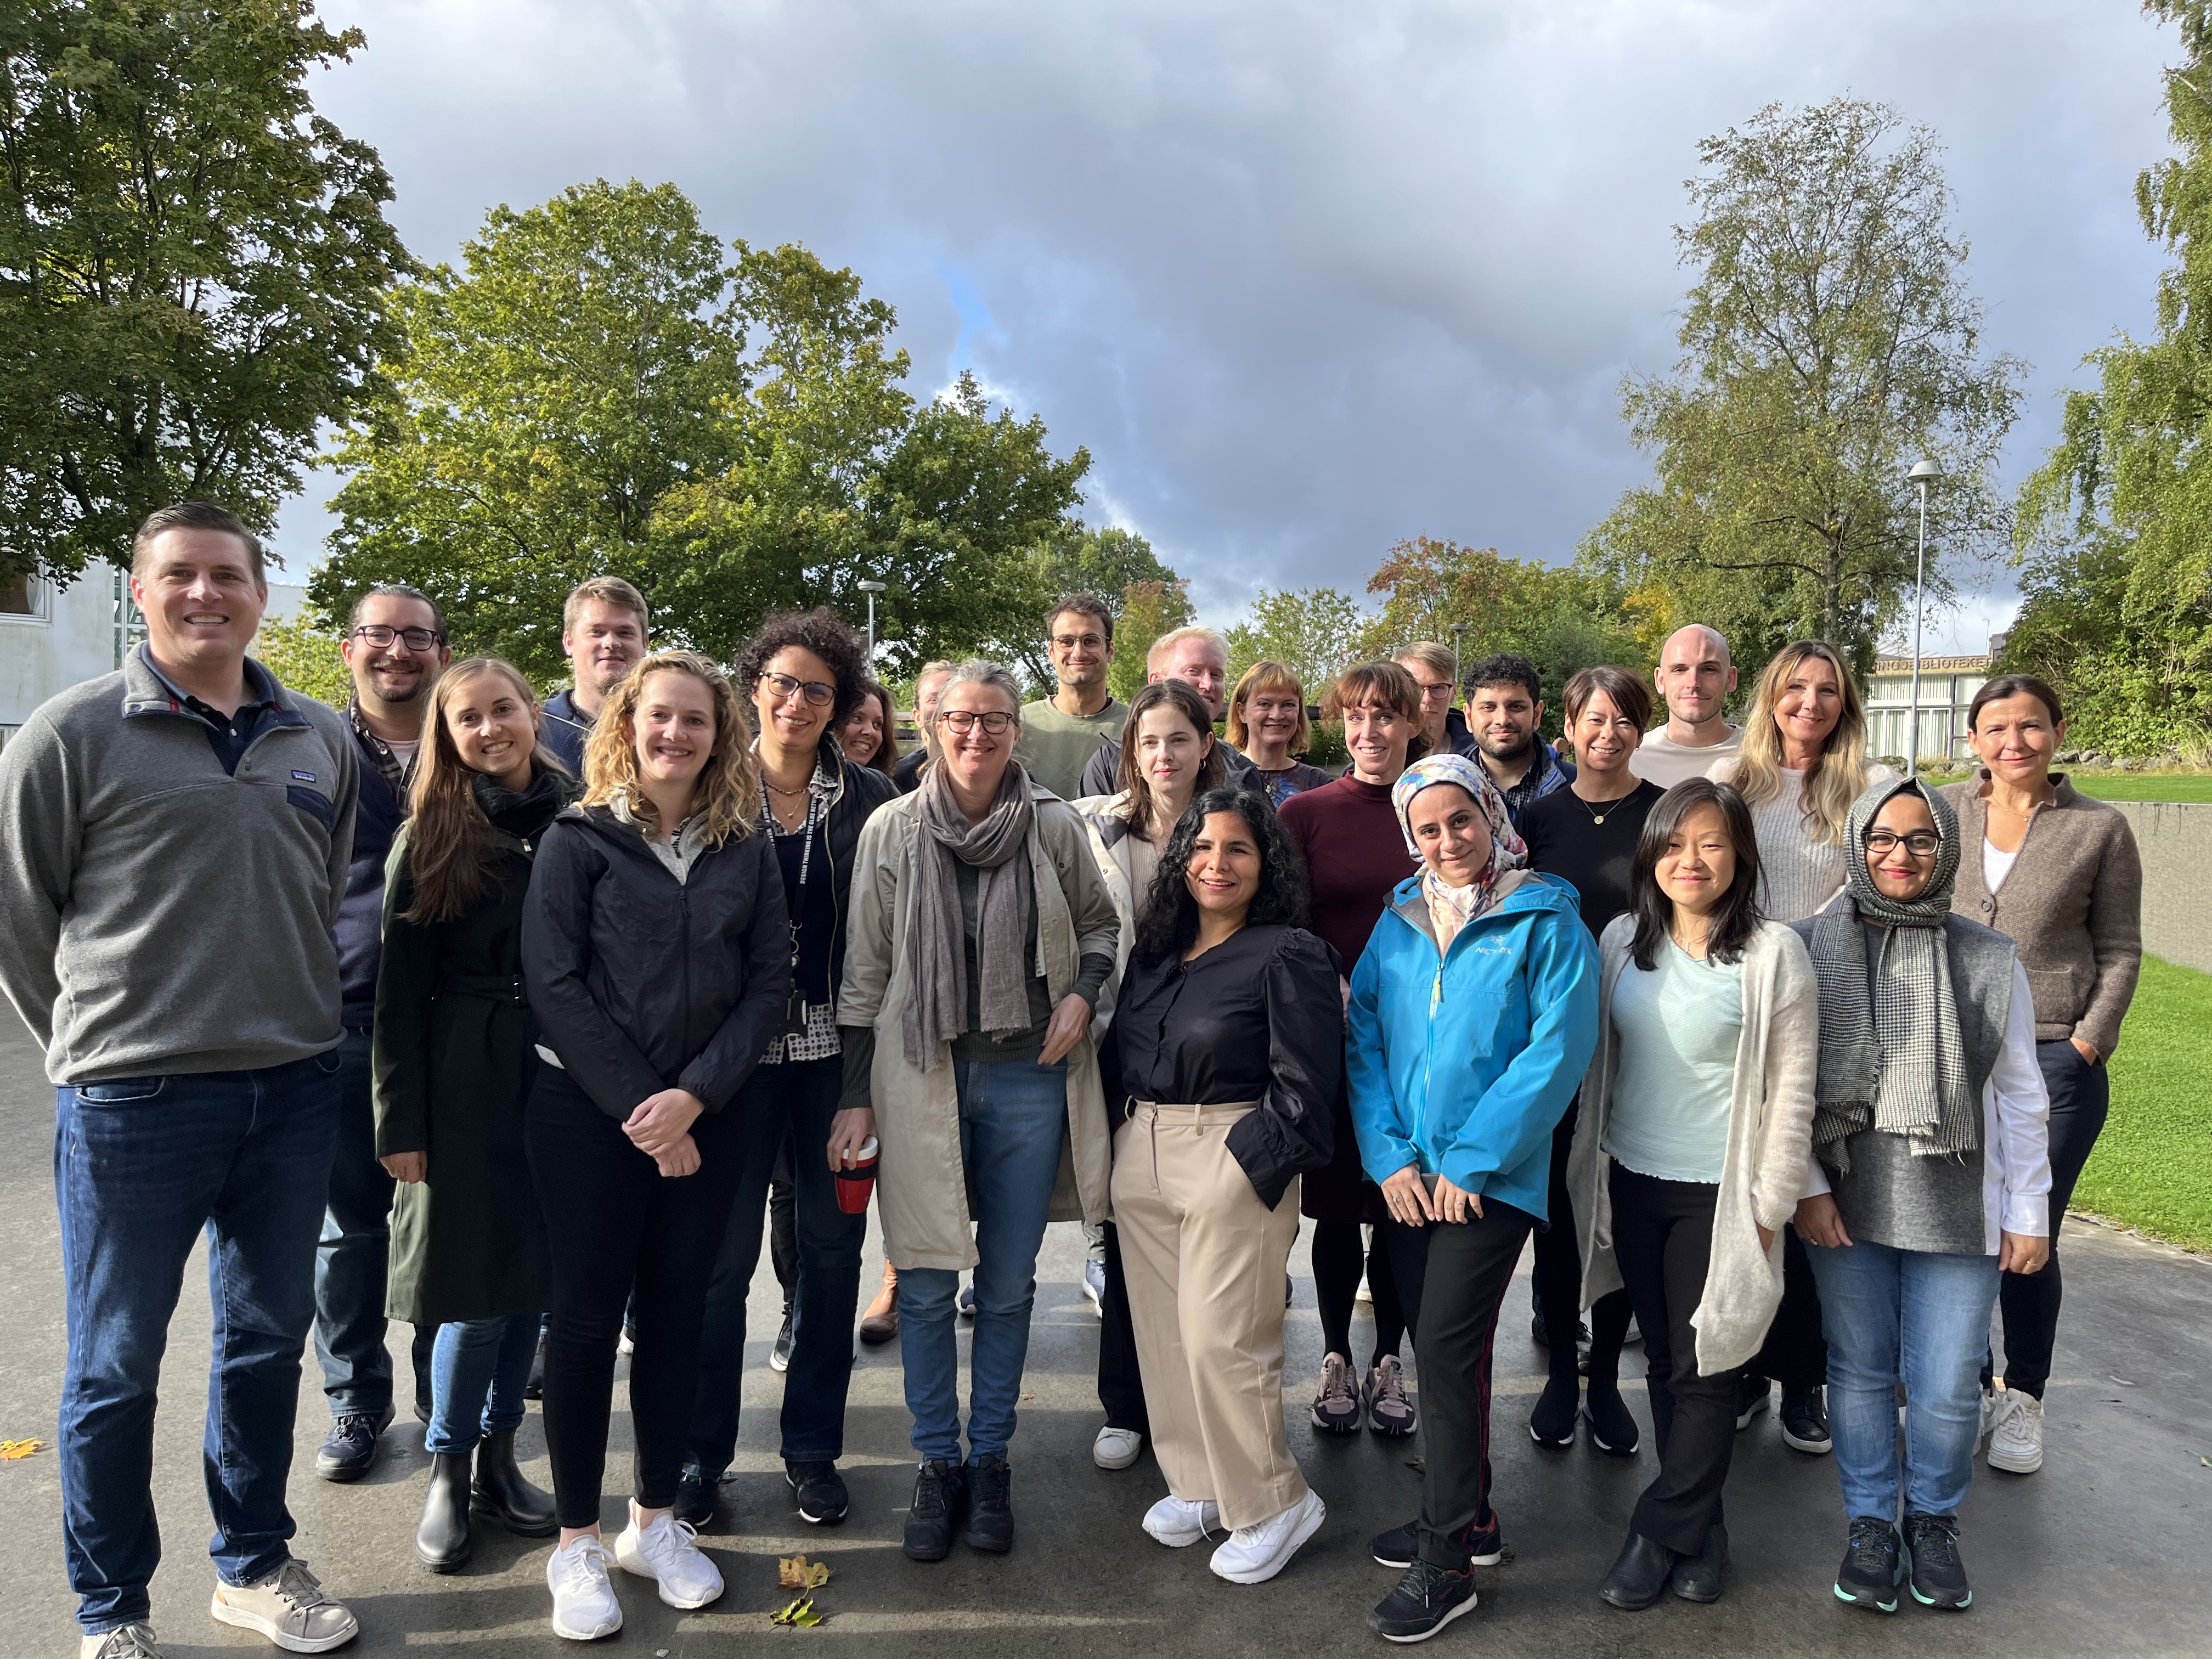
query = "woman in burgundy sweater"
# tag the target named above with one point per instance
(1355, 855)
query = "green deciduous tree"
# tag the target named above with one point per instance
(193, 265)
(304, 658)
(1829, 342)
(1074, 558)
(1315, 632)
(1150, 608)
(2115, 527)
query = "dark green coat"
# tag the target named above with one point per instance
(454, 1055)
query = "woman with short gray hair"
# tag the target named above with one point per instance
(983, 941)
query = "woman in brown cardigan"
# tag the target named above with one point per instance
(2060, 872)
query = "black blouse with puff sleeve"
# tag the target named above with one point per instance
(1258, 1017)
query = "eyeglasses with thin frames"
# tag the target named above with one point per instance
(964, 721)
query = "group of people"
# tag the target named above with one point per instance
(524, 1023)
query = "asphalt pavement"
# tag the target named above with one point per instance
(2107, 1551)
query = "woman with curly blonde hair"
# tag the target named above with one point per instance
(656, 948)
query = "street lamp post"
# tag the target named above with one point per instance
(1924, 473)
(871, 589)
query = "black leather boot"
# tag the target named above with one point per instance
(442, 1542)
(1698, 1578)
(504, 1491)
(1639, 1576)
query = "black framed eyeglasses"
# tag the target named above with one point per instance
(381, 635)
(964, 720)
(1921, 843)
(820, 693)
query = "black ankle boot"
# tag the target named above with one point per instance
(501, 1489)
(1639, 1576)
(442, 1542)
(1698, 1578)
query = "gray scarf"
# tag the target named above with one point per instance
(996, 849)
(1891, 1053)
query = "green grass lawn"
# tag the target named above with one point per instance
(2144, 786)
(2153, 1165)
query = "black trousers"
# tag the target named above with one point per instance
(613, 1220)
(1662, 1236)
(1558, 1281)
(1121, 1385)
(1452, 1279)
(2080, 1097)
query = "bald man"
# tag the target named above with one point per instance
(1695, 679)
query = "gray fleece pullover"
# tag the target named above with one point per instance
(158, 915)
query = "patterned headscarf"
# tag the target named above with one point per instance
(1451, 908)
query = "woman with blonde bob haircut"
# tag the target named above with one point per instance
(1268, 721)
(656, 953)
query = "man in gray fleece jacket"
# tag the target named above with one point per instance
(173, 842)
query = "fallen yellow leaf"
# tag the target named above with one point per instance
(12, 1449)
(801, 1614)
(796, 1572)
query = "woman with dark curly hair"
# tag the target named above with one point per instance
(1223, 1063)
(866, 735)
(806, 672)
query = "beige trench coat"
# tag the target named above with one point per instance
(922, 1188)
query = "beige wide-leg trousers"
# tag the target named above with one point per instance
(1204, 1260)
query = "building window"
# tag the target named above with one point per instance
(23, 597)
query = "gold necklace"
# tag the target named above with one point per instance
(779, 789)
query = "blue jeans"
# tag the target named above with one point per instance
(351, 1261)
(1920, 1318)
(796, 1099)
(141, 1166)
(1013, 1118)
(479, 1370)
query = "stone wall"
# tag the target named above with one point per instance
(2175, 839)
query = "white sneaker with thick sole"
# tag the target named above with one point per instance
(665, 1551)
(1116, 1448)
(1254, 1554)
(130, 1642)
(2016, 1432)
(289, 1607)
(584, 1605)
(1179, 1525)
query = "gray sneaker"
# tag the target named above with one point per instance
(131, 1641)
(1336, 1406)
(289, 1607)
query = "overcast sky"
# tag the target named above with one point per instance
(1305, 278)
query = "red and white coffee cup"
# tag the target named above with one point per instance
(856, 1177)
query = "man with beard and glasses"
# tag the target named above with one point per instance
(603, 629)
(1505, 704)
(395, 648)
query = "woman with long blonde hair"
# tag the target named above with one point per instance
(1803, 765)
(453, 1061)
(657, 951)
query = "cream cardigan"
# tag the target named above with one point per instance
(1770, 1139)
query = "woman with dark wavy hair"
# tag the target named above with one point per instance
(1222, 1068)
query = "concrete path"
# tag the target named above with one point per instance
(2108, 1551)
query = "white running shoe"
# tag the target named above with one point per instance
(1254, 1554)
(666, 1551)
(289, 1607)
(1116, 1448)
(1178, 1525)
(2016, 1432)
(584, 1605)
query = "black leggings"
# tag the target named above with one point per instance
(1337, 1249)
(1560, 1282)
(613, 1220)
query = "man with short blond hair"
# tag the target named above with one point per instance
(1695, 678)
(603, 634)
(1435, 669)
(1199, 657)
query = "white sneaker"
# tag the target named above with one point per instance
(1178, 1525)
(1988, 1415)
(1116, 1448)
(289, 1607)
(584, 1605)
(1254, 1554)
(665, 1551)
(130, 1642)
(2016, 1432)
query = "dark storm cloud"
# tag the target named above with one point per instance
(1305, 278)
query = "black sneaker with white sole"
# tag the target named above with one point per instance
(1752, 1396)
(817, 1492)
(1873, 1565)
(1805, 1421)
(1937, 1576)
(1397, 1548)
(1425, 1599)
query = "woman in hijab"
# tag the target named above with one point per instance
(1472, 1017)
(1931, 1175)
(983, 942)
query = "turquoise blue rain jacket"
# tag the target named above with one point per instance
(1465, 1065)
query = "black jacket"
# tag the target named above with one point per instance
(862, 790)
(360, 932)
(565, 729)
(641, 982)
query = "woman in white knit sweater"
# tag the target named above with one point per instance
(1803, 764)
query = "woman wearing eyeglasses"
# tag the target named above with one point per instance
(806, 673)
(1931, 1177)
(983, 939)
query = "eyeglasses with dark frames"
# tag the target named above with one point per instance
(380, 634)
(819, 693)
(1921, 843)
(964, 720)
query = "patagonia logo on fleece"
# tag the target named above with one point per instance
(305, 777)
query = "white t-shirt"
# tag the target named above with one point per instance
(404, 752)
(1662, 761)
(1995, 865)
